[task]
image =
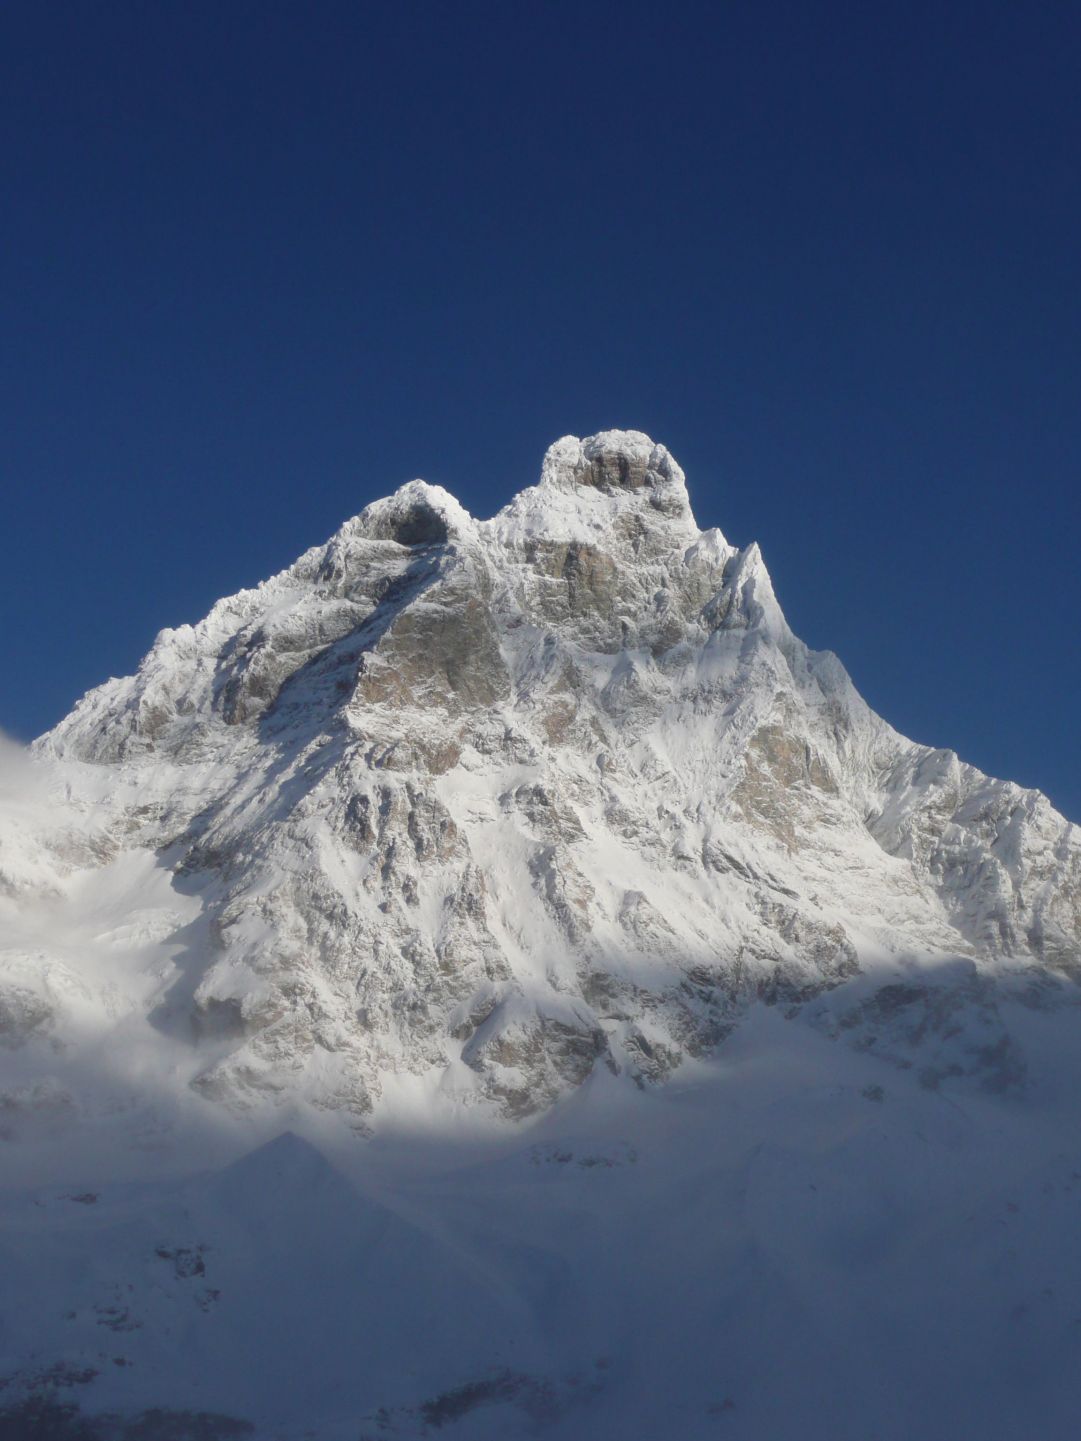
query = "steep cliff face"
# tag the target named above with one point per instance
(485, 808)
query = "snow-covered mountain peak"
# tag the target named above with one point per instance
(482, 810)
(417, 514)
(613, 461)
(616, 481)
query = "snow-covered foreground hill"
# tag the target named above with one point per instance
(793, 1241)
(492, 980)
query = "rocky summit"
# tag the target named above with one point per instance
(479, 810)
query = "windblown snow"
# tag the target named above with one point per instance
(492, 978)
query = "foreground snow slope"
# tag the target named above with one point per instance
(666, 1046)
(794, 1242)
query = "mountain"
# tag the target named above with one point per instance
(485, 855)
(494, 804)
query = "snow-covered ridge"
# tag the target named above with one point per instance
(480, 810)
(615, 497)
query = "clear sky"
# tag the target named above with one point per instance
(261, 262)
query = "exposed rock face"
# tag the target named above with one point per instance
(497, 803)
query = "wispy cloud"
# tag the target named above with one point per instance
(23, 780)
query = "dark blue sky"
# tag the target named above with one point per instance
(262, 262)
